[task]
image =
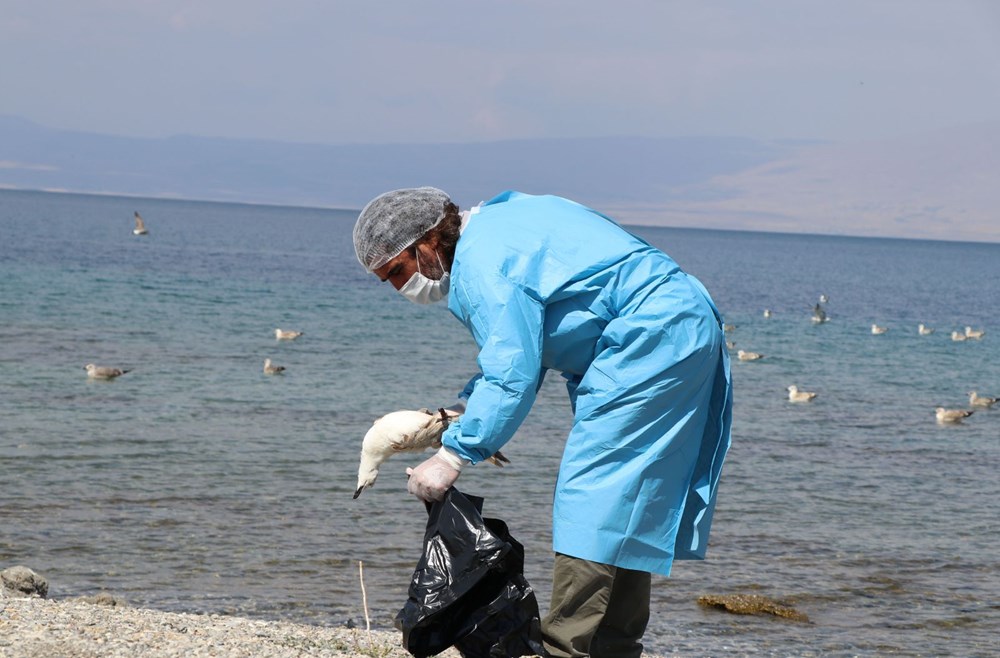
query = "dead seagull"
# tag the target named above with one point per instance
(404, 431)
(103, 372)
(281, 334)
(952, 416)
(795, 395)
(977, 400)
(271, 369)
(140, 226)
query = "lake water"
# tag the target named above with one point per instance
(195, 483)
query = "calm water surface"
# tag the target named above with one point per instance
(195, 483)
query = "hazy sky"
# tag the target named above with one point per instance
(404, 71)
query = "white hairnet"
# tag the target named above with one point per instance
(393, 221)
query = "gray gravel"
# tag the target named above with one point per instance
(74, 628)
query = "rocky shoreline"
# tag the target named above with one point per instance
(102, 626)
(33, 626)
(75, 628)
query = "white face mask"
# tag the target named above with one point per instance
(421, 290)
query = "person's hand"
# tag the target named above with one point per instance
(430, 480)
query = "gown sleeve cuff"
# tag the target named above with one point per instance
(452, 458)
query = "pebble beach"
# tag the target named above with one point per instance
(76, 628)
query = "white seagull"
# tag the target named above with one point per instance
(404, 431)
(744, 355)
(958, 336)
(977, 400)
(795, 395)
(281, 334)
(974, 333)
(924, 331)
(953, 416)
(271, 369)
(140, 226)
(823, 299)
(103, 372)
(877, 330)
(767, 312)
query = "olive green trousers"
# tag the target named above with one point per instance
(597, 610)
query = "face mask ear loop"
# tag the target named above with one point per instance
(416, 257)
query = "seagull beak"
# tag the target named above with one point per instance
(358, 492)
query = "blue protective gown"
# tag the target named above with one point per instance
(545, 283)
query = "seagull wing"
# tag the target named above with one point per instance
(423, 436)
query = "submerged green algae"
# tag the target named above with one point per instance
(751, 604)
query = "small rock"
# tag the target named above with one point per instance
(103, 598)
(21, 581)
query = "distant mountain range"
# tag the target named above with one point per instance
(938, 185)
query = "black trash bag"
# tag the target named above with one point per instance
(468, 590)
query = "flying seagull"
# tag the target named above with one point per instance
(140, 226)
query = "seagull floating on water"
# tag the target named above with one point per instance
(795, 395)
(823, 299)
(767, 312)
(924, 331)
(877, 330)
(140, 226)
(271, 369)
(404, 431)
(281, 334)
(958, 336)
(103, 372)
(974, 333)
(744, 355)
(977, 400)
(953, 416)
